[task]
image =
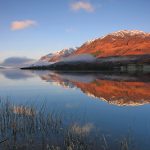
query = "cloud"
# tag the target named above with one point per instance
(80, 5)
(19, 25)
(17, 61)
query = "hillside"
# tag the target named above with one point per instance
(121, 43)
(116, 50)
(57, 56)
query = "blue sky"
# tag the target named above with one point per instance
(33, 28)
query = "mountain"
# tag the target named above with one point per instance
(118, 50)
(57, 56)
(54, 57)
(121, 43)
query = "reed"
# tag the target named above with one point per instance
(26, 127)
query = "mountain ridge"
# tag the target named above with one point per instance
(56, 56)
(120, 43)
(112, 51)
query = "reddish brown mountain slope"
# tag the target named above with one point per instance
(121, 43)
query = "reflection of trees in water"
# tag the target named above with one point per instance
(25, 127)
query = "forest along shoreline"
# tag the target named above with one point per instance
(140, 63)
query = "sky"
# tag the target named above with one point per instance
(33, 28)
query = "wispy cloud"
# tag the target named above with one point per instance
(82, 5)
(22, 24)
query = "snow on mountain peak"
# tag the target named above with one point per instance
(90, 41)
(66, 51)
(53, 57)
(99, 47)
(123, 33)
(127, 32)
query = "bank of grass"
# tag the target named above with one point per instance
(25, 127)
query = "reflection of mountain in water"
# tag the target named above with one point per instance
(119, 90)
(56, 80)
(118, 93)
(122, 90)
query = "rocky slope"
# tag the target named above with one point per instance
(57, 56)
(106, 53)
(121, 43)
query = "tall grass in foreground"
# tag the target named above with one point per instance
(25, 127)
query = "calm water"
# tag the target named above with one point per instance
(117, 105)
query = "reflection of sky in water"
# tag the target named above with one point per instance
(114, 120)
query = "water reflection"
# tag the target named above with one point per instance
(16, 74)
(114, 89)
(117, 89)
(78, 97)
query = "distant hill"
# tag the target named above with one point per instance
(57, 56)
